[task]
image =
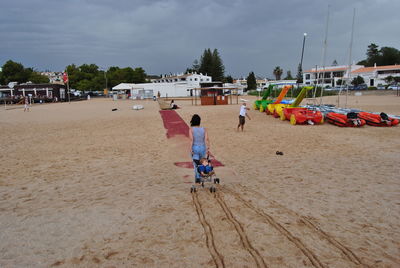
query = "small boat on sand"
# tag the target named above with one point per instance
(378, 120)
(345, 120)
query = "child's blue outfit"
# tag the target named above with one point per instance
(205, 169)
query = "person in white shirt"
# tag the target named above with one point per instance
(242, 116)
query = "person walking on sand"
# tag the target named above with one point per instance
(199, 143)
(26, 104)
(242, 116)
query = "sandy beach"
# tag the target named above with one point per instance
(84, 186)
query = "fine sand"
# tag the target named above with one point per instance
(84, 186)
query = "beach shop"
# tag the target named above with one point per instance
(214, 93)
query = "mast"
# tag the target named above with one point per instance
(324, 55)
(324, 47)
(351, 47)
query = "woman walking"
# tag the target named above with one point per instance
(199, 142)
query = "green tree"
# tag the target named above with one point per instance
(357, 81)
(89, 77)
(218, 68)
(251, 81)
(389, 56)
(389, 79)
(372, 51)
(206, 62)
(211, 64)
(139, 75)
(299, 75)
(380, 57)
(340, 82)
(37, 78)
(196, 66)
(15, 72)
(288, 75)
(278, 72)
(2, 78)
(228, 79)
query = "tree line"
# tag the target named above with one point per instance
(380, 56)
(90, 77)
(85, 77)
(16, 72)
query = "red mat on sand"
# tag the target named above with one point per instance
(175, 125)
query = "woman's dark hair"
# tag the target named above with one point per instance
(195, 120)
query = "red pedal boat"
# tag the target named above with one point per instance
(345, 120)
(300, 115)
(378, 120)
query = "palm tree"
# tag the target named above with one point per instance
(278, 72)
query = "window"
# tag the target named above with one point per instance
(307, 76)
(208, 79)
(195, 79)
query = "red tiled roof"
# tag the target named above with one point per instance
(371, 69)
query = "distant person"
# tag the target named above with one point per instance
(26, 104)
(199, 142)
(242, 116)
(173, 105)
(158, 94)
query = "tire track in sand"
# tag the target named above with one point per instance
(240, 230)
(299, 244)
(216, 256)
(348, 253)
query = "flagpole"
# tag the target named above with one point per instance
(69, 97)
(66, 79)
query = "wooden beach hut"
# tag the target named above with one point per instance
(214, 93)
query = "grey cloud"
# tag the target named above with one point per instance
(166, 36)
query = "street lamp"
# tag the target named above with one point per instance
(105, 78)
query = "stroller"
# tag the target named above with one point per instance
(206, 180)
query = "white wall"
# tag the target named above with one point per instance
(170, 89)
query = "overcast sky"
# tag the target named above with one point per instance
(167, 36)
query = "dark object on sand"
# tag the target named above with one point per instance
(279, 153)
(115, 109)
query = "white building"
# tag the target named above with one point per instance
(328, 76)
(260, 82)
(193, 79)
(374, 76)
(54, 77)
(168, 86)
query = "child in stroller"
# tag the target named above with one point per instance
(206, 174)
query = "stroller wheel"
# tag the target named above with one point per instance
(217, 180)
(214, 189)
(202, 184)
(191, 190)
(211, 189)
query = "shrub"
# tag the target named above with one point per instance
(253, 93)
